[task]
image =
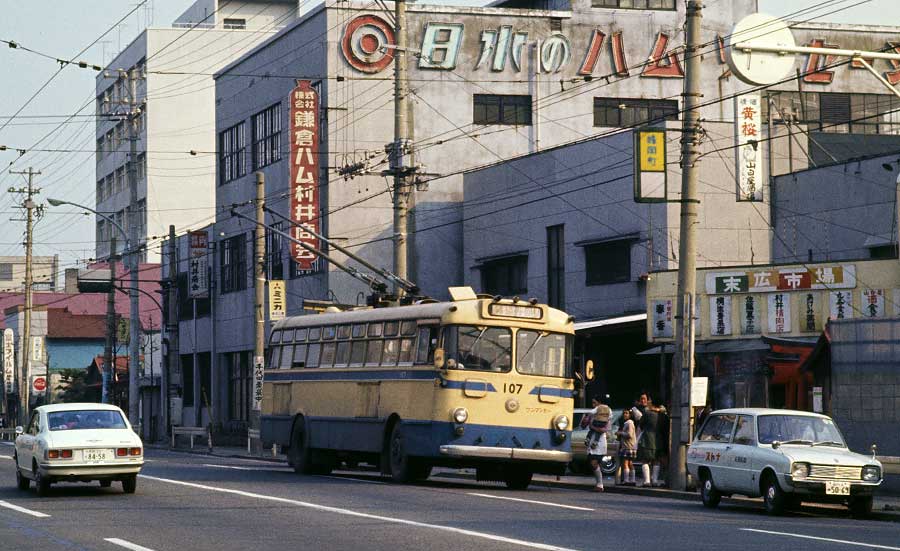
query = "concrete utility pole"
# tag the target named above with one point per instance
(108, 359)
(401, 147)
(683, 360)
(172, 349)
(259, 271)
(25, 373)
(134, 332)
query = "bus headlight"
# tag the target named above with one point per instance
(460, 415)
(561, 422)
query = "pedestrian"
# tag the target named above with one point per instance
(648, 442)
(595, 442)
(627, 448)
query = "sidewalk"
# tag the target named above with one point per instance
(887, 507)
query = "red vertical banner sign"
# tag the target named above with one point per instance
(304, 125)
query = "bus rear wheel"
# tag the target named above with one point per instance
(298, 454)
(518, 479)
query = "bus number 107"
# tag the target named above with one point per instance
(512, 388)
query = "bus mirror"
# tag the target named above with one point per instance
(589, 370)
(439, 358)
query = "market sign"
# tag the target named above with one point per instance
(277, 305)
(748, 157)
(198, 264)
(782, 279)
(650, 166)
(9, 356)
(304, 125)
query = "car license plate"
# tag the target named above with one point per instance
(93, 456)
(837, 488)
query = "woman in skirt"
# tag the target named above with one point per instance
(627, 448)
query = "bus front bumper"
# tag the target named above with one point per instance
(523, 454)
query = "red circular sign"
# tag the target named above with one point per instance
(364, 43)
(40, 384)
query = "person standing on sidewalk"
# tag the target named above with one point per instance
(648, 443)
(627, 448)
(595, 442)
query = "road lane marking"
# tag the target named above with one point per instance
(127, 544)
(547, 503)
(351, 513)
(9, 505)
(7, 443)
(351, 479)
(817, 538)
(6, 457)
(237, 468)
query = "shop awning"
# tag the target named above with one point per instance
(665, 348)
(712, 347)
(633, 318)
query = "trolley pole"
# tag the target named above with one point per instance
(683, 360)
(400, 147)
(25, 369)
(259, 269)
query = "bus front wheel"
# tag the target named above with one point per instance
(518, 479)
(403, 467)
(298, 454)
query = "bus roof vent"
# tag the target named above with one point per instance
(462, 293)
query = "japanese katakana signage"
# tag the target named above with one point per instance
(720, 316)
(304, 125)
(783, 279)
(277, 304)
(9, 356)
(198, 264)
(779, 313)
(748, 156)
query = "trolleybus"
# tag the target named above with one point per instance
(474, 382)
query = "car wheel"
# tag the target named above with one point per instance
(860, 507)
(298, 454)
(518, 479)
(22, 483)
(105, 483)
(708, 492)
(774, 497)
(42, 483)
(129, 484)
(609, 464)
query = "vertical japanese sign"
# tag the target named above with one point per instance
(198, 264)
(810, 312)
(872, 303)
(720, 316)
(662, 318)
(750, 324)
(9, 356)
(650, 166)
(258, 370)
(277, 304)
(841, 303)
(779, 313)
(748, 156)
(304, 125)
(37, 349)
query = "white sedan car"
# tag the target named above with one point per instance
(77, 443)
(785, 456)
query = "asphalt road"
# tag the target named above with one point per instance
(199, 502)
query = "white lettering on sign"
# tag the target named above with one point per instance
(304, 172)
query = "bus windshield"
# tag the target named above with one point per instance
(543, 353)
(479, 348)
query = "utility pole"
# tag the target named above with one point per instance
(25, 373)
(400, 147)
(259, 270)
(683, 360)
(108, 358)
(172, 349)
(134, 332)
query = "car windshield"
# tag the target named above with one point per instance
(86, 419)
(542, 353)
(478, 348)
(798, 428)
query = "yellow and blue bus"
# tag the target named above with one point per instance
(475, 382)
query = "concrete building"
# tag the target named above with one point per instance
(176, 125)
(44, 273)
(515, 80)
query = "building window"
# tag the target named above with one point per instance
(635, 4)
(101, 148)
(275, 253)
(625, 112)
(497, 109)
(141, 167)
(233, 263)
(232, 149)
(120, 180)
(99, 190)
(6, 271)
(608, 262)
(505, 276)
(234, 23)
(267, 136)
(556, 266)
(837, 113)
(239, 385)
(109, 185)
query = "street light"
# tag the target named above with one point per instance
(133, 356)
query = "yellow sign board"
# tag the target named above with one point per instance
(652, 150)
(277, 299)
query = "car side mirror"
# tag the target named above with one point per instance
(874, 448)
(19, 430)
(439, 358)
(775, 444)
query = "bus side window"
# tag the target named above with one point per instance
(286, 355)
(312, 359)
(407, 348)
(373, 352)
(328, 353)
(299, 357)
(274, 357)
(427, 344)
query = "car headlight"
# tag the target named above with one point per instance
(800, 470)
(460, 415)
(561, 422)
(871, 473)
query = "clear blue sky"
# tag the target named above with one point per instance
(63, 28)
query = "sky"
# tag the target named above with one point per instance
(62, 28)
